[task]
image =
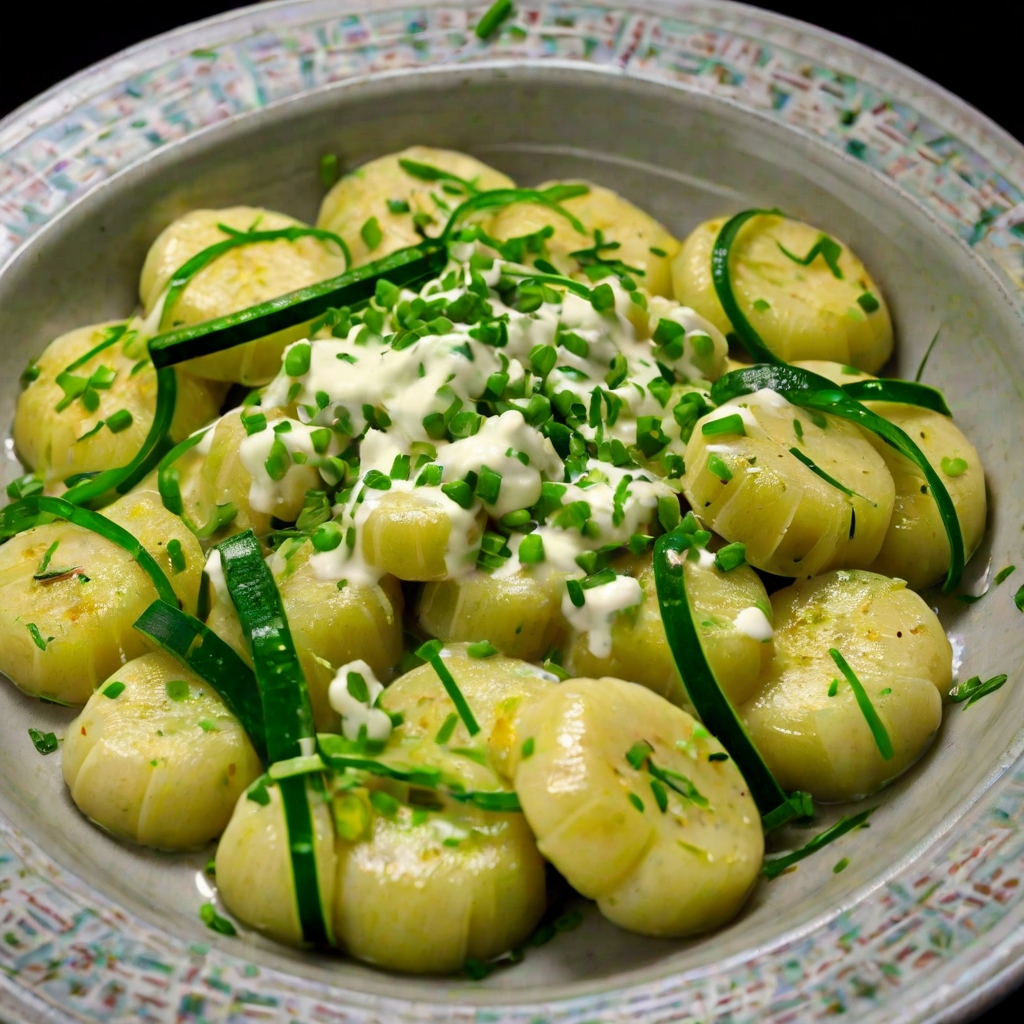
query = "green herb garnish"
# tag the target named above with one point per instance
(431, 652)
(875, 724)
(775, 866)
(44, 742)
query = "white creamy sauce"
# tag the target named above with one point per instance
(359, 714)
(754, 623)
(600, 608)
(215, 571)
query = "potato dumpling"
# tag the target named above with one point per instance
(916, 548)
(430, 889)
(519, 614)
(811, 732)
(433, 882)
(722, 602)
(330, 626)
(410, 535)
(383, 190)
(666, 840)
(156, 757)
(241, 277)
(254, 865)
(61, 636)
(757, 487)
(601, 209)
(58, 443)
(801, 312)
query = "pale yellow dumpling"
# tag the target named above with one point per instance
(58, 443)
(155, 757)
(812, 733)
(801, 312)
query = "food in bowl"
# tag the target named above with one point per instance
(418, 551)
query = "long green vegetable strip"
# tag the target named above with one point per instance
(167, 480)
(25, 513)
(405, 267)
(203, 651)
(499, 197)
(907, 392)
(711, 703)
(287, 713)
(811, 391)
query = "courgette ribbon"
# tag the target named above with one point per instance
(717, 714)
(287, 714)
(810, 391)
(882, 390)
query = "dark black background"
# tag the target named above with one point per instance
(976, 52)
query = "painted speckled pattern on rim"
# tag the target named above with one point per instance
(80, 955)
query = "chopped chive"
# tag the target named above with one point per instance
(44, 742)
(798, 429)
(398, 206)
(493, 17)
(761, 305)
(371, 234)
(513, 520)
(602, 298)
(37, 637)
(658, 252)
(875, 724)
(833, 687)
(660, 795)
(377, 481)
(254, 424)
(488, 486)
(297, 360)
(827, 248)
(638, 753)
(974, 689)
(840, 866)
(113, 690)
(458, 491)
(482, 649)
(576, 595)
(342, 584)
(431, 652)
(1003, 573)
(636, 802)
(679, 783)
(818, 471)
(720, 755)
(45, 563)
(724, 425)
(328, 169)
(176, 555)
(731, 556)
(531, 549)
(868, 302)
(953, 467)
(221, 925)
(775, 866)
(278, 461)
(444, 734)
(431, 476)
(718, 468)
(118, 421)
(177, 690)
(528, 747)
(1018, 599)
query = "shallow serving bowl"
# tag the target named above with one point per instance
(689, 109)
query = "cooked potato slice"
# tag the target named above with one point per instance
(916, 548)
(254, 866)
(601, 209)
(822, 743)
(370, 191)
(754, 486)
(156, 757)
(76, 439)
(62, 636)
(801, 312)
(675, 871)
(330, 626)
(519, 614)
(723, 602)
(239, 278)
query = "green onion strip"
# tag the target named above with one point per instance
(27, 512)
(712, 705)
(499, 197)
(811, 391)
(286, 712)
(209, 657)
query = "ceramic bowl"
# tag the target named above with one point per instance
(691, 110)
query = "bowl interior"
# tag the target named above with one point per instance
(683, 157)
